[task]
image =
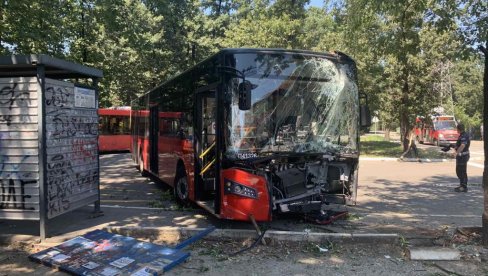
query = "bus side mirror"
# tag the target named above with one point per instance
(364, 113)
(245, 95)
(365, 116)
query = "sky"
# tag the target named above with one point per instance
(317, 3)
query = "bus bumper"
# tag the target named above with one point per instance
(244, 194)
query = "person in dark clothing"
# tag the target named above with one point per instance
(462, 158)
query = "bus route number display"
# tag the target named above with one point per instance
(247, 155)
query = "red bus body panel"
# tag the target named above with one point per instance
(114, 142)
(237, 207)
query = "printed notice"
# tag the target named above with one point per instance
(60, 257)
(85, 97)
(145, 271)
(108, 271)
(120, 263)
(52, 253)
(90, 265)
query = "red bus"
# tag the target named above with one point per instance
(439, 130)
(114, 130)
(253, 132)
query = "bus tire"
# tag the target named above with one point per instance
(181, 189)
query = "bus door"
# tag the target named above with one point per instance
(153, 139)
(206, 149)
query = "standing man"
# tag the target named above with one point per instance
(462, 158)
(412, 148)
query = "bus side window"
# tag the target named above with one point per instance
(169, 127)
(186, 128)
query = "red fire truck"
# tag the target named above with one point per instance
(439, 130)
(250, 132)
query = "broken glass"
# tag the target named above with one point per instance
(300, 104)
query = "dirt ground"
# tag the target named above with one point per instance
(389, 196)
(217, 258)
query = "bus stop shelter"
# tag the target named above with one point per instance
(48, 138)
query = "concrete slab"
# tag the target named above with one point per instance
(434, 254)
(406, 198)
(173, 234)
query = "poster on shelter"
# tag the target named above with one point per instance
(85, 97)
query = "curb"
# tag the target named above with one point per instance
(174, 234)
(425, 160)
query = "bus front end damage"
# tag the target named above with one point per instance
(305, 186)
(300, 135)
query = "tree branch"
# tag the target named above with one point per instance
(483, 50)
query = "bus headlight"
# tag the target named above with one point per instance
(441, 135)
(231, 187)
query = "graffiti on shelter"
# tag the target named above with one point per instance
(72, 163)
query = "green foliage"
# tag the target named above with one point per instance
(258, 25)
(34, 26)
(467, 82)
(411, 55)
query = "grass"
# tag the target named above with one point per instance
(377, 146)
(352, 217)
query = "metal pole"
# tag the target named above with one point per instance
(484, 218)
(97, 203)
(41, 113)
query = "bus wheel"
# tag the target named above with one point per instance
(181, 190)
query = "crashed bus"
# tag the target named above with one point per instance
(254, 132)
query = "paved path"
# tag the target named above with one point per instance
(393, 196)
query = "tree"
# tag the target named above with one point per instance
(401, 48)
(258, 24)
(320, 31)
(474, 15)
(126, 33)
(34, 27)
(467, 84)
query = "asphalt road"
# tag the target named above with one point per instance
(410, 198)
(393, 196)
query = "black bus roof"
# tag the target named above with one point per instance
(336, 55)
(333, 55)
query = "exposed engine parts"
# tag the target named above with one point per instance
(303, 187)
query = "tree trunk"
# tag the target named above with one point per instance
(387, 134)
(484, 218)
(404, 123)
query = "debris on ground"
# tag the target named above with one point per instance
(325, 217)
(102, 253)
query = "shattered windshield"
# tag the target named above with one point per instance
(300, 104)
